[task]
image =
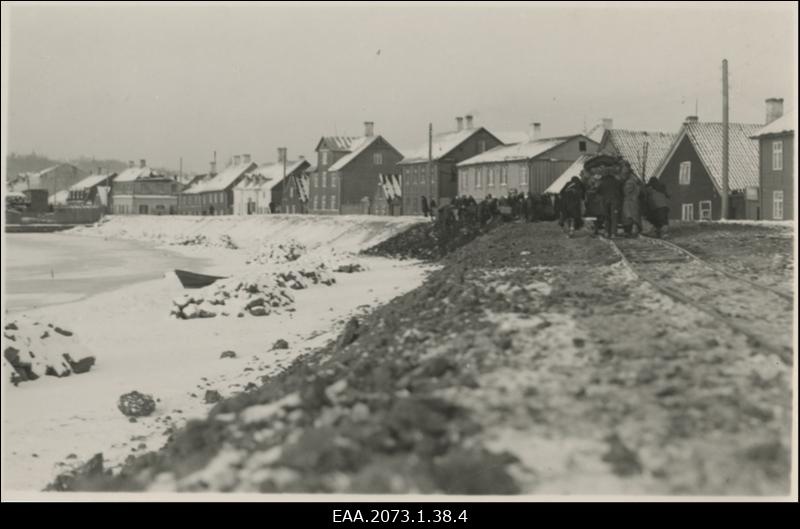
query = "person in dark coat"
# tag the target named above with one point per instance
(610, 193)
(434, 210)
(657, 205)
(631, 203)
(425, 208)
(570, 201)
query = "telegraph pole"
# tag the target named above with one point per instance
(430, 160)
(284, 196)
(725, 138)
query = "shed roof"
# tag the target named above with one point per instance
(518, 151)
(220, 182)
(338, 143)
(266, 176)
(781, 125)
(135, 173)
(706, 138)
(573, 170)
(442, 145)
(91, 181)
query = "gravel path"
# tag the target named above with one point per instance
(529, 364)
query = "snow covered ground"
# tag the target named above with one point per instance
(51, 423)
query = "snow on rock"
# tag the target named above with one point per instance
(34, 349)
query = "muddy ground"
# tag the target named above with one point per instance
(530, 363)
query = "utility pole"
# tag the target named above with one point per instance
(283, 193)
(725, 138)
(180, 170)
(430, 160)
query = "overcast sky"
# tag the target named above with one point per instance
(164, 81)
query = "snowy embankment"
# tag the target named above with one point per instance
(186, 363)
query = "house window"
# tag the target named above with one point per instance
(503, 175)
(314, 180)
(687, 211)
(324, 157)
(705, 210)
(481, 145)
(324, 201)
(685, 175)
(377, 158)
(477, 177)
(777, 205)
(333, 201)
(523, 175)
(316, 201)
(777, 156)
(582, 146)
(291, 192)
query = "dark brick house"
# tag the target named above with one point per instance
(776, 163)
(214, 195)
(692, 171)
(447, 150)
(347, 172)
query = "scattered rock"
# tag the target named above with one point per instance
(280, 344)
(212, 396)
(349, 334)
(228, 354)
(135, 404)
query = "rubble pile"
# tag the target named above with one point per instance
(428, 241)
(278, 253)
(258, 294)
(35, 349)
(223, 241)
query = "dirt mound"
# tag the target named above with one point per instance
(428, 241)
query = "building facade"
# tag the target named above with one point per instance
(644, 150)
(523, 167)
(437, 178)
(214, 195)
(776, 163)
(143, 191)
(348, 172)
(55, 179)
(262, 190)
(692, 172)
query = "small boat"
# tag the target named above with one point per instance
(195, 280)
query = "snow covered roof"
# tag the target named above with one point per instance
(221, 181)
(707, 141)
(442, 144)
(90, 181)
(357, 146)
(781, 125)
(518, 151)
(596, 133)
(338, 143)
(573, 170)
(134, 173)
(630, 145)
(267, 176)
(514, 136)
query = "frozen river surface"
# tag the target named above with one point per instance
(44, 269)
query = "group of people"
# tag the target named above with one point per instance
(466, 210)
(615, 197)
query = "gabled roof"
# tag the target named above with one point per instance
(220, 182)
(519, 151)
(338, 143)
(706, 138)
(267, 176)
(358, 145)
(573, 170)
(596, 133)
(91, 181)
(630, 145)
(135, 173)
(442, 145)
(781, 125)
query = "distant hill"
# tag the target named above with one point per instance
(23, 163)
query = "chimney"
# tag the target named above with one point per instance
(281, 154)
(99, 170)
(774, 109)
(236, 159)
(213, 167)
(535, 130)
(142, 163)
(468, 118)
(369, 129)
(245, 158)
(459, 124)
(131, 163)
(301, 157)
(608, 123)
(691, 119)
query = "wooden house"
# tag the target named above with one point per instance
(776, 174)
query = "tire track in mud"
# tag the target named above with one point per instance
(758, 312)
